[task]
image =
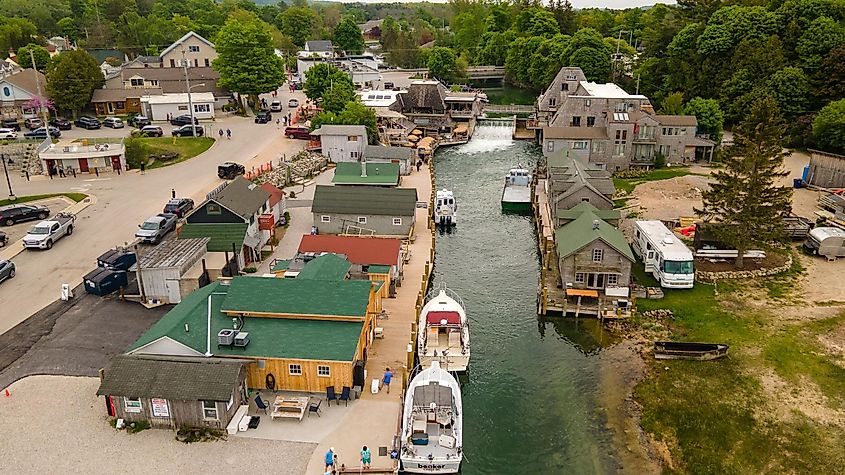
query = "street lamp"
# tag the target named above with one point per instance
(191, 105)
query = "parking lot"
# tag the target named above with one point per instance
(19, 230)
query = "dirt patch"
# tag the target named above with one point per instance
(833, 343)
(785, 399)
(669, 199)
(771, 261)
(821, 281)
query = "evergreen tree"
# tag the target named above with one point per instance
(348, 37)
(746, 201)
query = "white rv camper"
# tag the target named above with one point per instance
(664, 255)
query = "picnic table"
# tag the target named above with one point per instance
(290, 407)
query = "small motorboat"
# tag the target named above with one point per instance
(445, 208)
(516, 195)
(432, 423)
(443, 334)
(677, 350)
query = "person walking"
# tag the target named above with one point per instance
(330, 460)
(220, 132)
(61, 171)
(366, 458)
(278, 122)
(419, 164)
(229, 134)
(143, 168)
(388, 376)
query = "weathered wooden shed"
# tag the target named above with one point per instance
(161, 270)
(826, 169)
(173, 392)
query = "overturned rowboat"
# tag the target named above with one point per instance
(672, 350)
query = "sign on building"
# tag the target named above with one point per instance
(160, 408)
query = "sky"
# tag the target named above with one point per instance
(613, 4)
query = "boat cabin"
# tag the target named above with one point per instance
(518, 177)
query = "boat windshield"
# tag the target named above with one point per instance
(40, 230)
(678, 267)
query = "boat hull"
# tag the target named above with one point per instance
(426, 466)
(457, 363)
(667, 350)
(519, 207)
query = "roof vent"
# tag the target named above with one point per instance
(595, 224)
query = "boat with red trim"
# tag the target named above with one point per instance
(443, 333)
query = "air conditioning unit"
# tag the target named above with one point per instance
(241, 339)
(226, 337)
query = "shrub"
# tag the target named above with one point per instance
(250, 270)
(659, 161)
(189, 435)
(137, 426)
(136, 152)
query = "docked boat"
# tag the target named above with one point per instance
(674, 350)
(516, 195)
(443, 332)
(432, 423)
(445, 208)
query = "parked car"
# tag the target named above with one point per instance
(8, 134)
(41, 133)
(302, 133)
(388, 85)
(87, 122)
(47, 232)
(263, 117)
(12, 214)
(184, 119)
(33, 123)
(187, 130)
(11, 123)
(113, 122)
(179, 206)
(155, 228)
(151, 131)
(230, 170)
(139, 121)
(276, 106)
(7, 270)
(293, 103)
(61, 123)
(4, 238)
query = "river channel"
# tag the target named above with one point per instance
(530, 397)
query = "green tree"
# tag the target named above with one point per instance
(817, 40)
(673, 104)
(336, 97)
(829, 127)
(299, 23)
(15, 32)
(442, 63)
(347, 36)
(67, 27)
(246, 60)
(831, 76)
(710, 118)
(791, 89)
(354, 113)
(594, 62)
(746, 200)
(322, 77)
(42, 57)
(73, 79)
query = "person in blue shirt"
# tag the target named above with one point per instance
(330, 459)
(388, 376)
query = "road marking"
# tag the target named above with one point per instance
(98, 179)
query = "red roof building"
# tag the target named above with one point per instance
(276, 194)
(365, 251)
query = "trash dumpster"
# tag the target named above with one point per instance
(117, 259)
(101, 281)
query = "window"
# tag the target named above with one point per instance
(585, 199)
(564, 86)
(588, 103)
(612, 279)
(580, 145)
(209, 410)
(324, 371)
(550, 146)
(362, 220)
(132, 404)
(620, 141)
(598, 146)
(6, 91)
(207, 63)
(397, 221)
(552, 102)
(202, 108)
(231, 401)
(325, 219)
(183, 108)
(119, 105)
(172, 63)
(576, 121)
(196, 62)
(598, 254)
(154, 82)
(295, 369)
(579, 277)
(213, 208)
(352, 138)
(591, 121)
(193, 49)
(136, 82)
(353, 154)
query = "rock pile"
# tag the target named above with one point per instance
(659, 314)
(301, 166)
(743, 274)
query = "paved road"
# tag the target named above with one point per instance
(123, 201)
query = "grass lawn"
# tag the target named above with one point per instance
(77, 197)
(186, 147)
(715, 416)
(628, 184)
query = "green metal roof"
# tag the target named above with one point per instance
(326, 267)
(298, 296)
(280, 265)
(577, 210)
(222, 235)
(349, 173)
(269, 337)
(364, 200)
(378, 270)
(579, 233)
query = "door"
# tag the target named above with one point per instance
(51, 167)
(110, 106)
(83, 164)
(595, 281)
(115, 163)
(649, 261)
(173, 293)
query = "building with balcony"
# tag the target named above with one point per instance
(82, 157)
(434, 109)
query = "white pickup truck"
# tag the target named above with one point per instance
(45, 233)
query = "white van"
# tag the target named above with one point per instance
(664, 255)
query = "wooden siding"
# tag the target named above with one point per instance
(384, 292)
(826, 169)
(340, 375)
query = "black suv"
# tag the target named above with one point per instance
(183, 120)
(185, 131)
(61, 123)
(87, 122)
(230, 170)
(10, 215)
(263, 117)
(11, 123)
(179, 206)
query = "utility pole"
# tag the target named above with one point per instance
(8, 181)
(188, 86)
(638, 83)
(40, 97)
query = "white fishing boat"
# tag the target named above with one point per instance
(445, 208)
(432, 423)
(443, 332)
(516, 195)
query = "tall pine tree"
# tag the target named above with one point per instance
(747, 202)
